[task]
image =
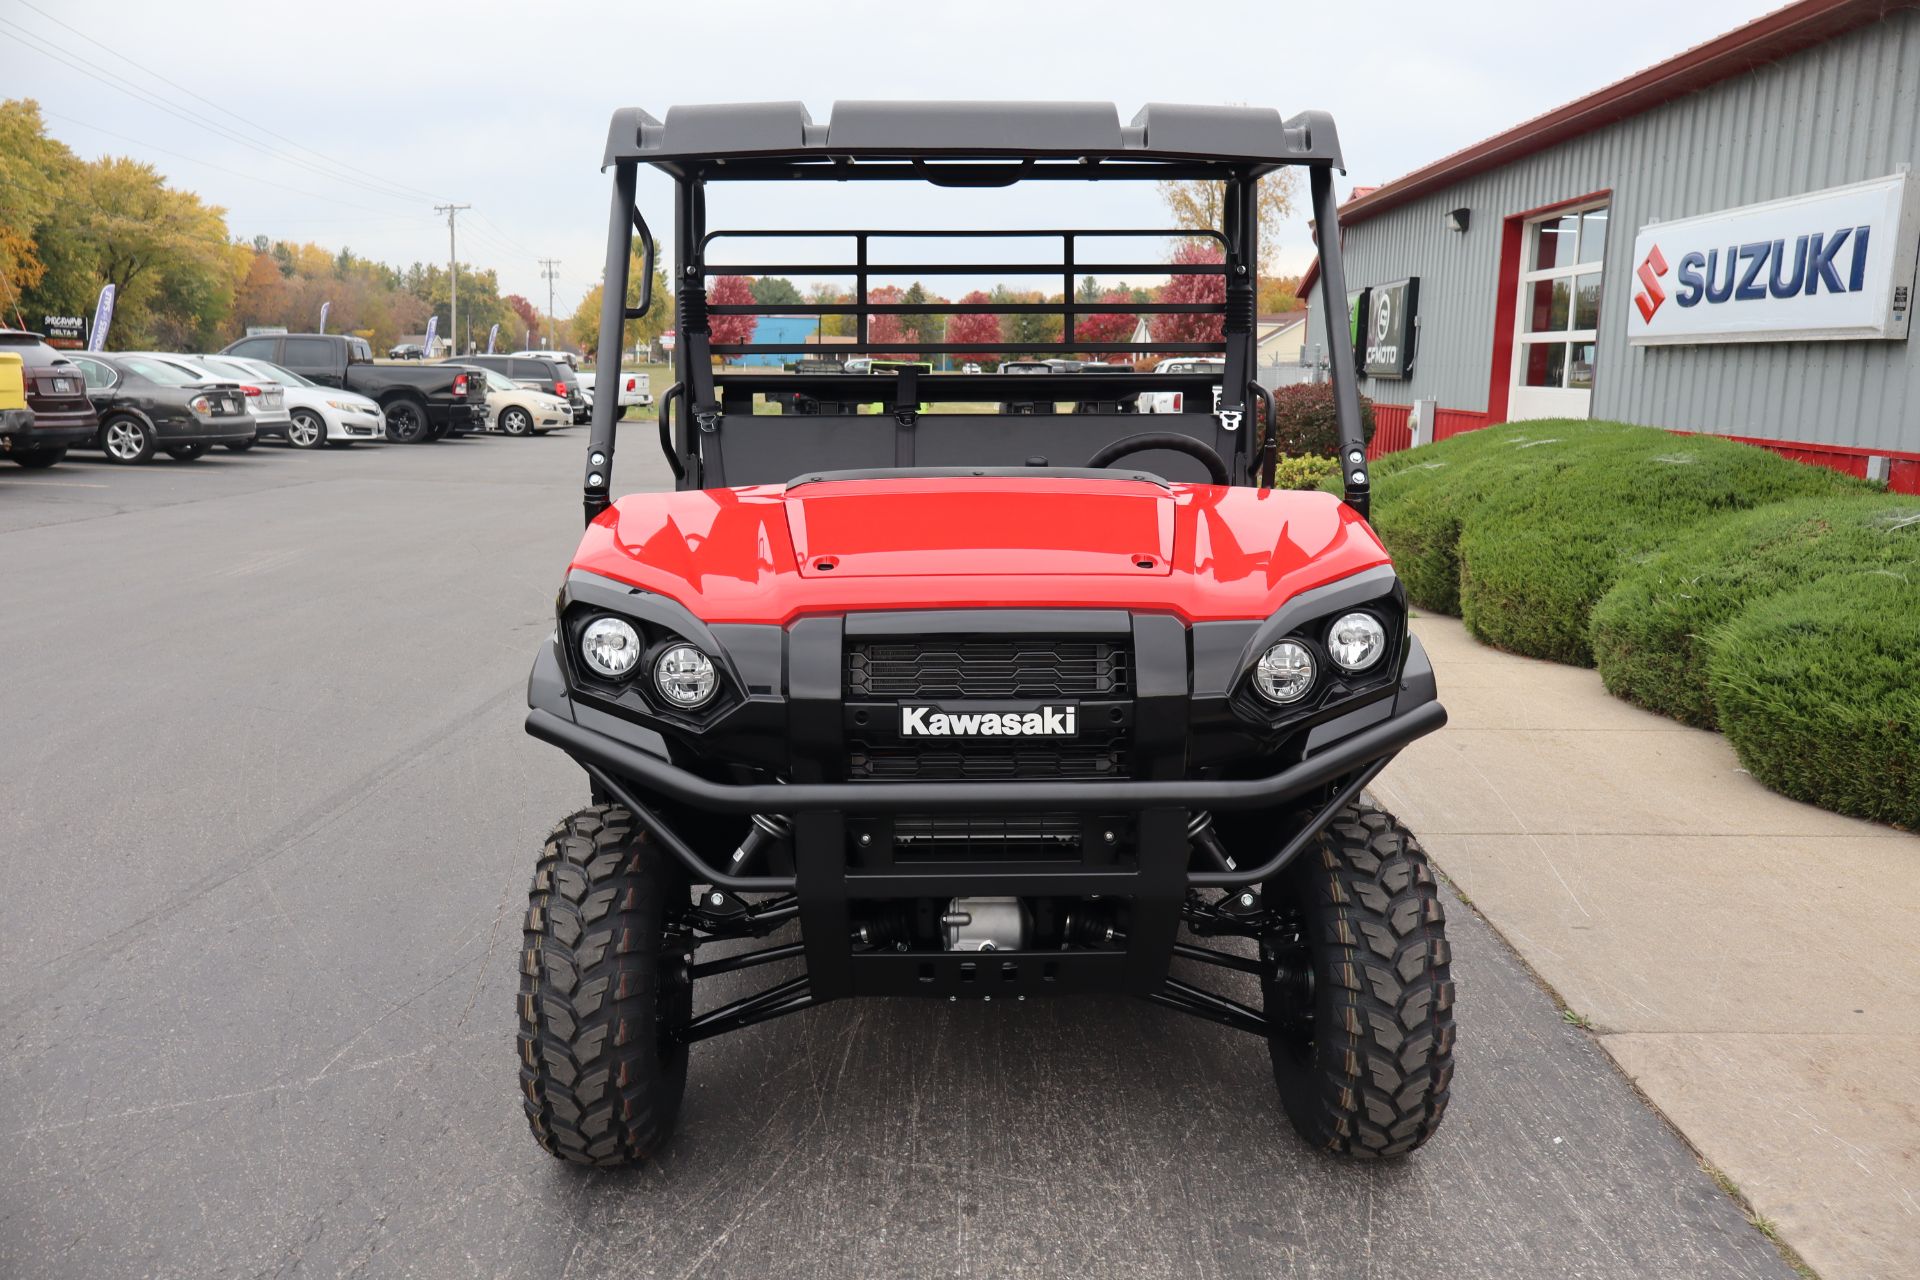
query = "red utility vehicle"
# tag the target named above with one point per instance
(989, 705)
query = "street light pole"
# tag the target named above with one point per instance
(453, 275)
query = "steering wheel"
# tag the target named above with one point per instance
(1198, 450)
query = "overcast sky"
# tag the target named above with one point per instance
(343, 123)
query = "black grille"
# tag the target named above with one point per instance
(949, 763)
(932, 832)
(1014, 668)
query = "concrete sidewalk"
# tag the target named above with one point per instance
(1751, 963)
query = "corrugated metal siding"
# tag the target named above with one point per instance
(1843, 112)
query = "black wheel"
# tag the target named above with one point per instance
(126, 440)
(187, 452)
(35, 459)
(602, 985)
(407, 422)
(516, 421)
(239, 446)
(1360, 993)
(307, 430)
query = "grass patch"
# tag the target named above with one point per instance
(1651, 634)
(1816, 690)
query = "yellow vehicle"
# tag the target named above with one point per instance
(14, 414)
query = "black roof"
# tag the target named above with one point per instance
(1253, 138)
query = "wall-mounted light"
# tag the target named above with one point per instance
(1457, 219)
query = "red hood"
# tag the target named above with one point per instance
(769, 554)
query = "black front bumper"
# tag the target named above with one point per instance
(1190, 752)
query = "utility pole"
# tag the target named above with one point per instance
(453, 275)
(550, 270)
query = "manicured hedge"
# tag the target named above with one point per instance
(1816, 689)
(1310, 471)
(1652, 632)
(1537, 556)
(1422, 496)
(1304, 421)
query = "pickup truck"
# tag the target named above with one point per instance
(422, 402)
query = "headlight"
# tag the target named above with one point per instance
(1285, 673)
(344, 406)
(610, 647)
(684, 676)
(1356, 641)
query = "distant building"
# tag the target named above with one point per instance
(789, 331)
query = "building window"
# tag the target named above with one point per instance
(1559, 311)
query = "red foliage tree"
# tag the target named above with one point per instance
(731, 291)
(530, 321)
(1106, 326)
(983, 328)
(1177, 327)
(888, 328)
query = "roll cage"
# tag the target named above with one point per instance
(708, 428)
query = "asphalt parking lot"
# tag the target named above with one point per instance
(266, 821)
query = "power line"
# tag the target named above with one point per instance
(146, 98)
(260, 128)
(237, 173)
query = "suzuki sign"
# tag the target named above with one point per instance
(1829, 265)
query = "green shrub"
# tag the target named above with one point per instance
(1537, 556)
(1652, 632)
(1816, 690)
(1309, 472)
(1421, 496)
(1304, 421)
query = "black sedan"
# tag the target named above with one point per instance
(62, 418)
(147, 403)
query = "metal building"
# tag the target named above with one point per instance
(1722, 243)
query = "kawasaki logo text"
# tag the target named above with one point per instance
(1047, 722)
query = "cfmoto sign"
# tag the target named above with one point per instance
(1833, 264)
(1390, 329)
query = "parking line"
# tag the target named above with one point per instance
(52, 484)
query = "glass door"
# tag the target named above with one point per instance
(1556, 327)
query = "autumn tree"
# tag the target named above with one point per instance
(34, 170)
(1106, 326)
(1199, 205)
(840, 326)
(1207, 287)
(261, 298)
(886, 328)
(163, 250)
(981, 327)
(585, 325)
(730, 291)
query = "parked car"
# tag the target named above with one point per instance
(266, 398)
(1176, 401)
(406, 351)
(422, 402)
(150, 403)
(522, 411)
(567, 358)
(553, 376)
(63, 417)
(15, 417)
(320, 415)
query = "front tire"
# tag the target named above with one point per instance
(602, 987)
(516, 421)
(1360, 994)
(36, 459)
(307, 430)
